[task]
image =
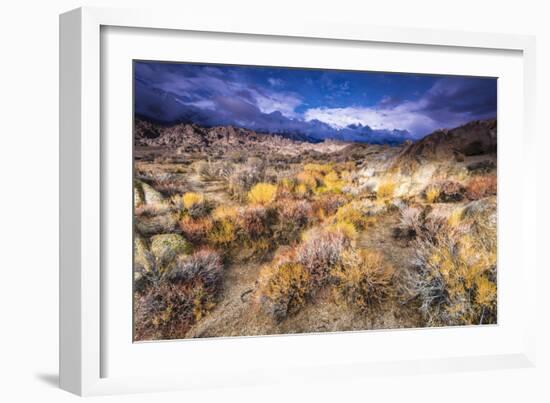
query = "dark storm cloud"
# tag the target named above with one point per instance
(259, 100)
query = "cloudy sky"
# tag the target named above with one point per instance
(360, 106)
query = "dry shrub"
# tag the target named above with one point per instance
(204, 265)
(346, 229)
(195, 205)
(283, 289)
(431, 194)
(170, 186)
(482, 218)
(322, 169)
(262, 193)
(452, 265)
(353, 213)
(168, 308)
(450, 191)
(302, 191)
(410, 223)
(285, 188)
(481, 186)
(455, 218)
(195, 230)
(292, 217)
(225, 212)
(243, 178)
(255, 221)
(309, 179)
(166, 311)
(166, 248)
(212, 171)
(331, 183)
(320, 252)
(206, 170)
(328, 204)
(364, 279)
(191, 199)
(223, 233)
(486, 293)
(386, 189)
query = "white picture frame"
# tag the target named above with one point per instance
(83, 306)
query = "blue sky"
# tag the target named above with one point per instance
(346, 105)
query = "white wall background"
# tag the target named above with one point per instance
(29, 200)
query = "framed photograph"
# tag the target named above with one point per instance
(246, 203)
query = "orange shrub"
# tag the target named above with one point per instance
(481, 186)
(255, 221)
(195, 230)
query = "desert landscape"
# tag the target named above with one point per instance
(241, 233)
(275, 200)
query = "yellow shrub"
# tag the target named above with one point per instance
(223, 232)
(454, 283)
(365, 279)
(486, 292)
(191, 199)
(455, 217)
(432, 193)
(331, 177)
(346, 228)
(283, 289)
(259, 246)
(287, 184)
(332, 182)
(262, 193)
(320, 168)
(309, 179)
(386, 189)
(351, 213)
(301, 190)
(225, 212)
